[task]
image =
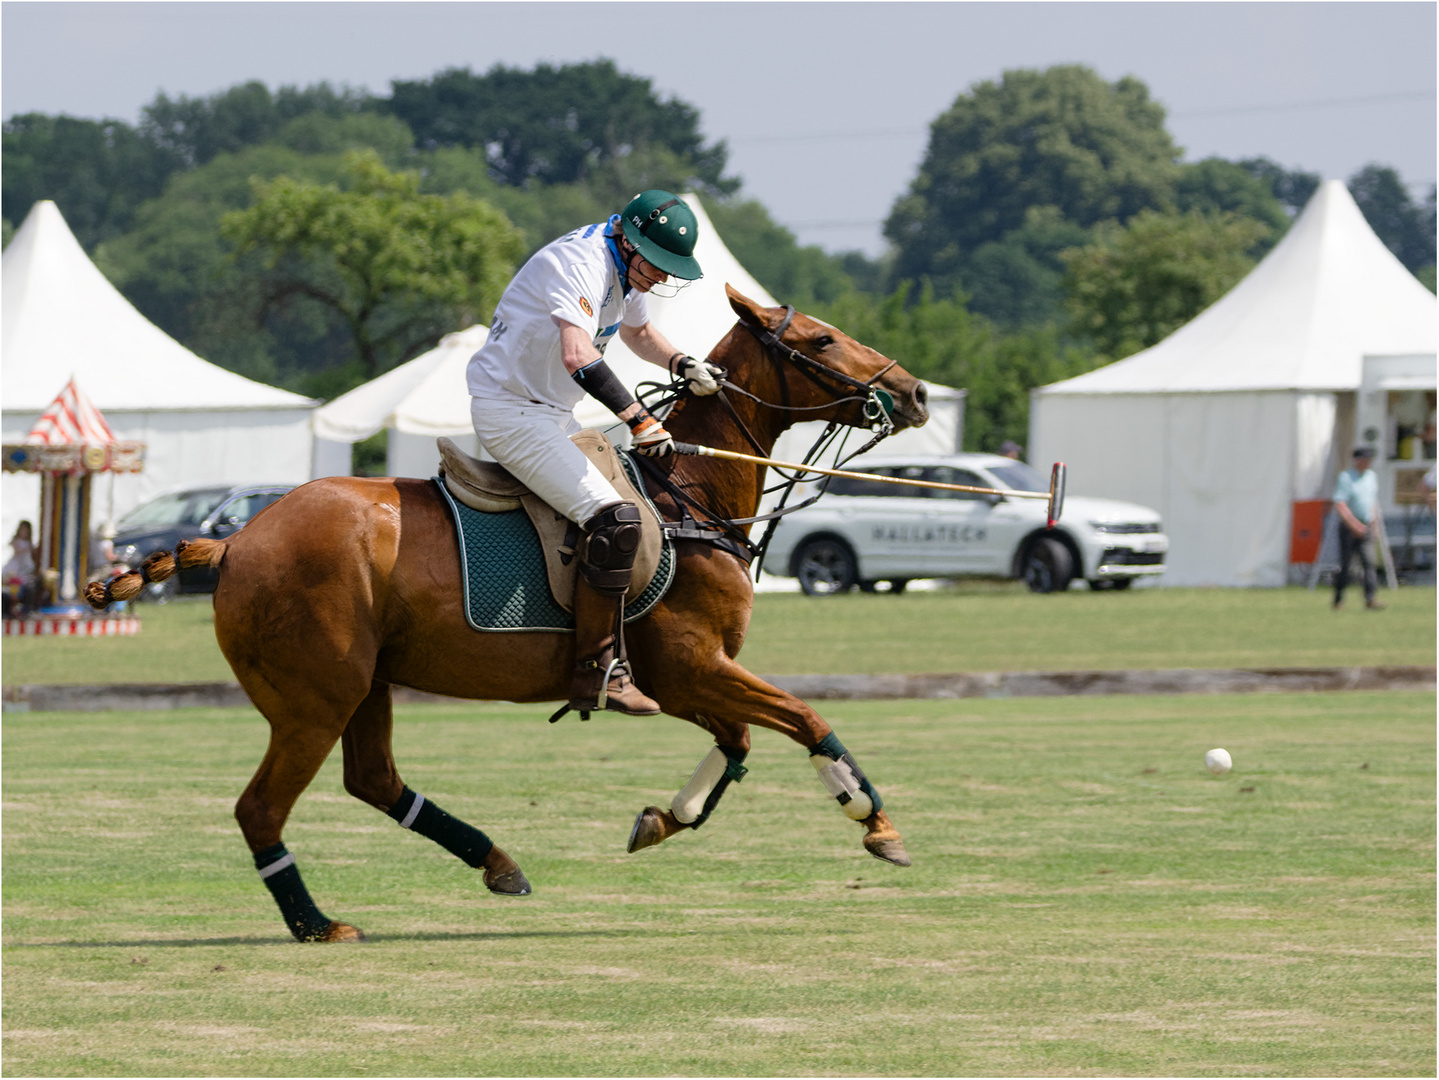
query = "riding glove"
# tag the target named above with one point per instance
(648, 436)
(703, 377)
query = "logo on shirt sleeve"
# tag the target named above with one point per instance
(585, 307)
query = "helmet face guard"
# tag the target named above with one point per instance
(663, 230)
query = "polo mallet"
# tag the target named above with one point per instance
(1054, 496)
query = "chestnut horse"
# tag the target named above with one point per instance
(349, 586)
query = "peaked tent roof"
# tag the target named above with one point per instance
(71, 418)
(1304, 318)
(424, 396)
(61, 318)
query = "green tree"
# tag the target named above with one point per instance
(196, 130)
(1390, 210)
(1138, 283)
(1216, 186)
(556, 124)
(1061, 138)
(175, 267)
(399, 267)
(1293, 189)
(545, 211)
(320, 133)
(793, 274)
(540, 212)
(98, 172)
(941, 340)
(1018, 281)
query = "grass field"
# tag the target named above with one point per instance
(1085, 898)
(976, 628)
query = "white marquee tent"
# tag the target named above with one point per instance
(201, 424)
(426, 397)
(418, 401)
(1249, 407)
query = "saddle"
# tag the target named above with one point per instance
(490, 488)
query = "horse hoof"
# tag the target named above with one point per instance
(338, 931)
(882, 840)
(649, 829)
(890, 850)
(512, 884)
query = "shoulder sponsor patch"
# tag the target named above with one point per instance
(585, 307)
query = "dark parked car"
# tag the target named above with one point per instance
(161, 523)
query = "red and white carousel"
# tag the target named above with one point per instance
(68, 446)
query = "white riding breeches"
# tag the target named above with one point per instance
(533, 442)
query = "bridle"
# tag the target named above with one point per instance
(726, 533)
(878, 403)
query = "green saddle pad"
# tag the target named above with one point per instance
(503, 570)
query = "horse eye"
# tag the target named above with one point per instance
(823, 342)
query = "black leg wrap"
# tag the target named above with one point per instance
(734, 772)
(416, 813)
(281, 876)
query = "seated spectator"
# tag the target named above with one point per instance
(18, 574)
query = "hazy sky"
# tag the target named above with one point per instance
(825, 105)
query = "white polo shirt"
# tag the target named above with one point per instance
(575, 278)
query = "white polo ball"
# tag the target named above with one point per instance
(1218, 762)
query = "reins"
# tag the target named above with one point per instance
(725, 533)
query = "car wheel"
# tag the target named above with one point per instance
(1048, 566)
(825, 567)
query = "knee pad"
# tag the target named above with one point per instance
(610, 541)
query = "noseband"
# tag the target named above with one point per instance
(878, 403)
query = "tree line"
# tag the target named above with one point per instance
(315, 237)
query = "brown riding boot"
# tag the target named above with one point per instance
(602, 677)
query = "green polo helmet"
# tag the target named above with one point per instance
(663, 230)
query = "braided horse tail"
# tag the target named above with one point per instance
(157, 567)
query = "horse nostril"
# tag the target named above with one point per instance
(921, 396)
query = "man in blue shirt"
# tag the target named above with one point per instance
(1356, 498)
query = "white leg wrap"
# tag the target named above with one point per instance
(839, 780)
(690, 802)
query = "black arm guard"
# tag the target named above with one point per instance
(604, 386)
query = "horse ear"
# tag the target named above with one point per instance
(751, 312)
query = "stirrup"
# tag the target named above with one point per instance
(617, 666)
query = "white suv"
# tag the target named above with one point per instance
(863, 532)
